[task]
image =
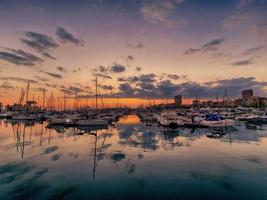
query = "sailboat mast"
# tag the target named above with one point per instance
(27, 91)
(96, 93)
(65, 101)
(44, 99)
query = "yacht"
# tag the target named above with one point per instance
(216, 121)
(7, 115)
(170, 119)
(23, 117)
(61, 120)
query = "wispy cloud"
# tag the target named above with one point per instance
(61, 69)
(260, 29)
(72, 90)
(77, 70)
(173, 76)
(207, 47)
(100, 69)
(117, 68)
(139, 45)
(254, 52)
(19, 57)
(40, 42)
(161, 11)
(102, 76)
(18, 79)
(65, 36)
(242, 62)
(106, 87)
(7, 86)
(249, 56)
(51, 85)
(138, 69)
(129, 58)
(42, 79)
(234, 21)
(192, 51)
(212, 45)
(52, 74)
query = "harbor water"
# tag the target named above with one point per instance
(131, 160)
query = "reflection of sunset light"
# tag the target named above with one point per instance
(129, 119)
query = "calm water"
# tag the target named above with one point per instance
(131, 161)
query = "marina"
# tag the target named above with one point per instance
(148, 152)
(130, 160)
(133, 100)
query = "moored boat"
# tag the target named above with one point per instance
(91, 122)
(169, 119)
(216, 121)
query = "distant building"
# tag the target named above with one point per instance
(247, 94)
(178, 100)
(256, 101)
(248, 99)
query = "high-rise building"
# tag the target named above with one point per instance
(178, 100)
(247, 94)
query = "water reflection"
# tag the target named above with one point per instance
(130, 158)
(98, 154)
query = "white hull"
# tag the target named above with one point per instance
(220, 123)
(169, 120)
(22, 117)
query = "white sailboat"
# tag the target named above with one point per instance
(92, 121)
(170, 119)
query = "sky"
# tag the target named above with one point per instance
(148, 49)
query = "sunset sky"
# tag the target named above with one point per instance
(137, 48)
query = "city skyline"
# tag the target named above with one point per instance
(137, 49)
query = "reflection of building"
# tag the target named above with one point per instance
(247, 94)
(178, 100)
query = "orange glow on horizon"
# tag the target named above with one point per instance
(71, 103)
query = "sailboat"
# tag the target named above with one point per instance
(170, 119)
(93, 121)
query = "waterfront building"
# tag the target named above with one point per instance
(247, 94)
(178, 100)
